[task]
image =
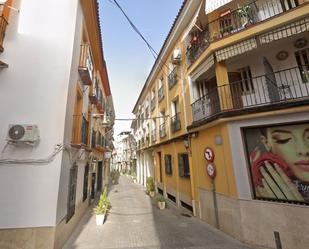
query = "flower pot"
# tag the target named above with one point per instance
(161, 204)
(152, 194)
(99, 218)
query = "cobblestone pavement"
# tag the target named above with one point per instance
(134, 222)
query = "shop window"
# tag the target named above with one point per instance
(183, 164)
(72, 192)
(302, 58)
(277, 158)
(168, 164)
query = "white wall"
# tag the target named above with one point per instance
(70, 102)
(38, 48)
(242, 175)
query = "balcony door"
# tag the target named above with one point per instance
(236, 87)
(214, 99)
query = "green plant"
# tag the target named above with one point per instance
(150, 187)
(160, 198)
(244, 11)
(103, 205)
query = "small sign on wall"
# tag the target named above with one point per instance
(209, 154)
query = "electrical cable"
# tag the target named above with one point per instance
(152, 50)
(58, 148)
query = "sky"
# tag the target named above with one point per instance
(128, 59)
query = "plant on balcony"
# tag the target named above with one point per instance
(226, 30)
(245, 15)
(102, 208)
(150, 187)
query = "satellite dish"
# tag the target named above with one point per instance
(2, 2)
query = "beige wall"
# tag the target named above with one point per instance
(254, 221)
(27, 238)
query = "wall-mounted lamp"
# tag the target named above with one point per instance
(186, 143)
(218, 140)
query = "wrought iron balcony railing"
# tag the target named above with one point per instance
(175, 122)
(231, 22)
(162, 130)
(172, 78)
(80, 130)
(161, 93)
(3, 25)
(85, 67)
(290, 86)
(154, 135)
(153, 103)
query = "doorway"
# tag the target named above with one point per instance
(99, 177)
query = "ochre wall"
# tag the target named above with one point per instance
(225, 180)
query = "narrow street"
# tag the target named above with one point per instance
(134, 222)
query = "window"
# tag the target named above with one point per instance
(183, 164)
(85, 187)
(72, 192)
(246, 83)
(302, 58)
(225, 23)
(168, 164)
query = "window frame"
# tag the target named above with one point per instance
(168, 164)
(183, 168)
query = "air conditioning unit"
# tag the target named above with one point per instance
(25, 133)
(176, 56)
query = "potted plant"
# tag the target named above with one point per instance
(161, 201)
(102, 208)
(245, 14)
(150, 188)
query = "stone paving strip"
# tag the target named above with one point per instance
(135, 222)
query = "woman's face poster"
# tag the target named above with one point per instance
(279, 161)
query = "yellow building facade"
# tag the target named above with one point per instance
(240, 91)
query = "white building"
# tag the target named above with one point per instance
(53, 76)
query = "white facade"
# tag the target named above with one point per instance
(42, 48)
(34, 90)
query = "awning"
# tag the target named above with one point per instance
(204, 67)
(285, 31)
(236, 49)
(212, 5)
(193, 22)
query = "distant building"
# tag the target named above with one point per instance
(125, 153)
(55, 95)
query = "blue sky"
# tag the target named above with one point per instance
(127, 57)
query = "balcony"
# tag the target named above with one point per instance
(161, 93)
(281, 89)
(162, 130)
(233, 21)
(154, 135)
(80, 130)
(172, 78)
(94, 96)
(100, 143)
(175, 122)
(3, 25)
(153, 103)
(85, 67)
(147, 112)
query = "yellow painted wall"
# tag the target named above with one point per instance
(225, 180)
(179, 184)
